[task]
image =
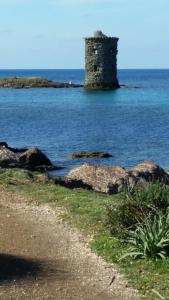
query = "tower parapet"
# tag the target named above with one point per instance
(101, 62)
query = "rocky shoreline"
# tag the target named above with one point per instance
(104, 179)
(34, 82)
(113, 179)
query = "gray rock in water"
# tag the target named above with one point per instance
(34, 157)
(90, 154)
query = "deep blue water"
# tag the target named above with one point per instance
(131, 123)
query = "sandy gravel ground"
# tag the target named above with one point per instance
(41, 257)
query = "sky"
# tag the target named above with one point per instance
(48, 34)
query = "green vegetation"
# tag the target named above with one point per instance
(151, 238)
(88, 211)
(136, 206)
(155, 196)
(15, 177)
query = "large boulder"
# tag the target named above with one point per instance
(110, 180)
(7, 157)
(34, 158)
(102, 178)
(150, 171)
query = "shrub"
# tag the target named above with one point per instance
(124, 216)
(155, 195)
(137, 205)
(150, 239)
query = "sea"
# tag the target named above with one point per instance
(131, 123)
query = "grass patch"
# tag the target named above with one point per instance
(87, 211)
(15, 177)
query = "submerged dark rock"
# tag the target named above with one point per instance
(94, 154)
(129, 86)
(34, 82)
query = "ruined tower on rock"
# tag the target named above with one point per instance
(101, 62)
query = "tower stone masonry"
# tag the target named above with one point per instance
(101, 62)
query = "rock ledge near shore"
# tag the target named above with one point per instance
(34, 82)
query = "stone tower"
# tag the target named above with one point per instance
(101, 62)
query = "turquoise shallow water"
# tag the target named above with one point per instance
(131, 123)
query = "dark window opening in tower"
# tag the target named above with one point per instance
(95, 68)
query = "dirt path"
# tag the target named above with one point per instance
(43, 258)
